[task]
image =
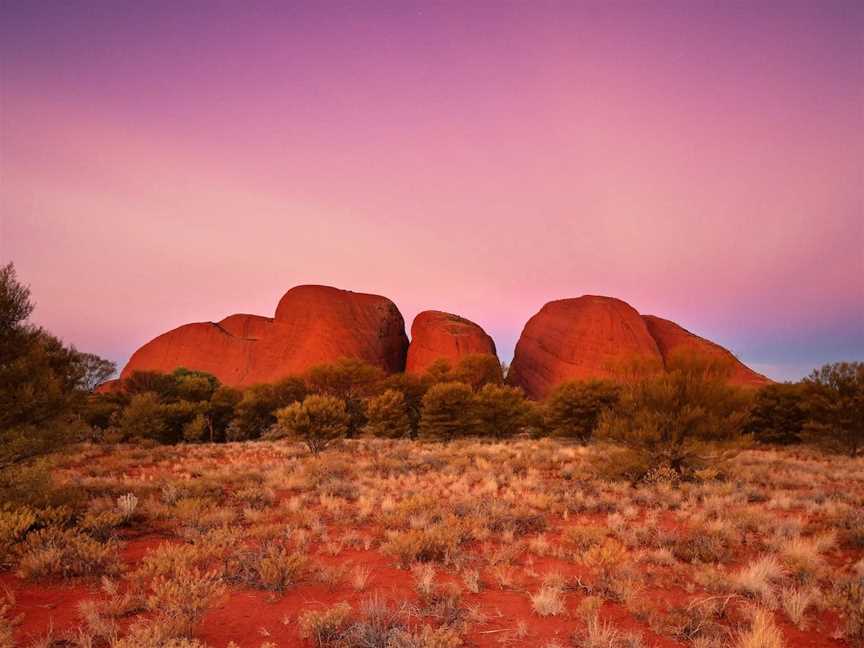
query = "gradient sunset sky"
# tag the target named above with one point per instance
(169, 162)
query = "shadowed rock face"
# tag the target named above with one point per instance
(313, 325)
(436, 335)
(602, 337)
(672, 339)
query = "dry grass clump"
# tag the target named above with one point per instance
(762, 633)
(65, 553)
(377, 624)
(435, 543)
(759, 578)
(795, 603)
(548, 601)
(848, 597)
(275, 567)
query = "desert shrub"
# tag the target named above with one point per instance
(702, 545)
(548, 601)
(609, 561)
(836, 407)
(255, 412)
(143, 418)
(477, 370)
(778, 413)
(500, 410)
(573, 409)
(32, 485)
(447, 411)
(54, 552)
(43, 384)
(761, 633)
(438, 542)
(326, 627)
(687, 418)
(412, 388)
(14, 525)
(387, 415)
(276, 568)
(848, 597)
(350, 380)
(583, 537)
(317, 422)
(180, 600)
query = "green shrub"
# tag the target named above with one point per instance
(317, 422)
(836, 407)
(574, 408)
(687, 418)
(387, 415)
(501, 411)
(448, 412)
(255, 412)
(55, 552)
(778, 413)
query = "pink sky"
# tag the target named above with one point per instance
(703, 163)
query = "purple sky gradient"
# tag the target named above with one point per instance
(168, 162)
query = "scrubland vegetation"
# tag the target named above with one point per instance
(348, 508)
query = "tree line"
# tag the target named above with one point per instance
(681, 420)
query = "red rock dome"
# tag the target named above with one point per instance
(602, 337)
(436, 335)
(672, 339)
(582, 338)
(313, 325)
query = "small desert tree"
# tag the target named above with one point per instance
(573, 409)
(144, 418)
(387, 415)
(94, 370)
(413, 388)
(350, 380)
(501, 410)
(778, 413)
(447, 411)
(478, 369)
(836, 401)
(685, 419)
(42, 382)
(256, 410)
(317, 421)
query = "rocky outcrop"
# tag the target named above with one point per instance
(312, 325)
(673, 339)
(606, 338)
(436, 335)
(582, 338)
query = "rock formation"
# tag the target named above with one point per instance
(602, 337)
(672, 338)
(436, 335)
(312, 325)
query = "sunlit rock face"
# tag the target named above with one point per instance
(603, 337)
(673, 339)
(436, 335)
(312, 325)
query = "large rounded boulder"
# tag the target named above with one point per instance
(673, 340)
(313, 325)
(436, 335)
(580, 339)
